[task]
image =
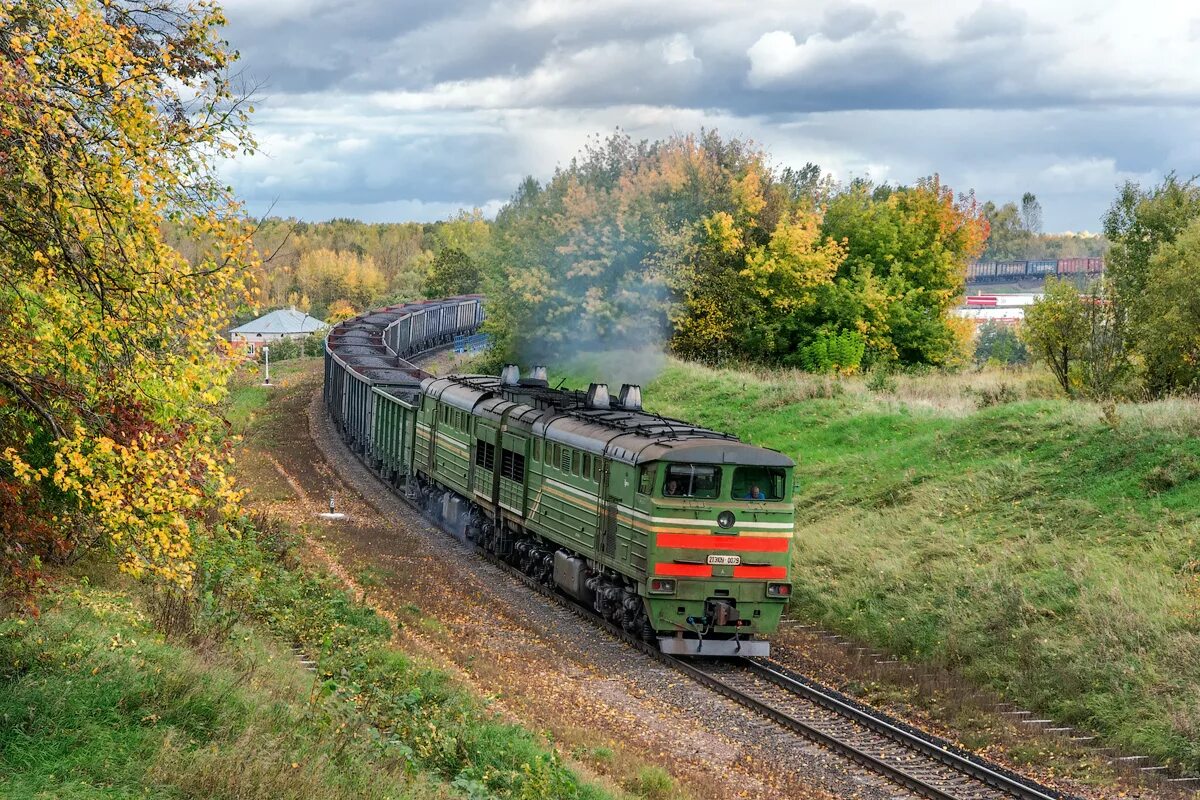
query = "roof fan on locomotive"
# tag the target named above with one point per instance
(597, 396)
(630, 398)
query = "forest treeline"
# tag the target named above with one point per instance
(334, 269)
(695, 242)
(1015, 234)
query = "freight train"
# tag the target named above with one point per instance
(679, 534)
(1001, 271)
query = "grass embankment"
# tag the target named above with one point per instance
(121, 690)
(1028, 545)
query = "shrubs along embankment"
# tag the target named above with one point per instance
(1027, 543)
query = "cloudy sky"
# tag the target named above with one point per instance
(388, 111)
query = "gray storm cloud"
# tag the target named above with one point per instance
(451, 105)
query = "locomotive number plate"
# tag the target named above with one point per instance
(725, 561)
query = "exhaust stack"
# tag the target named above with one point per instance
(510, 375)
(539, 373)
(597, 396)
(630, 398)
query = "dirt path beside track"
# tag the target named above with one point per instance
(609, 708)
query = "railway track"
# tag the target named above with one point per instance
(919, 762)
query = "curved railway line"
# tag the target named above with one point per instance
(921, 763)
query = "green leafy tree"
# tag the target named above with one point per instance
(997, 343)
(452, 272)
(1105, 368)
(698, 241)
(1166, 336)
(905, 267)
(1008, 237)
(1137, 224)
(1056, 329)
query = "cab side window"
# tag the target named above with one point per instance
(646, 480)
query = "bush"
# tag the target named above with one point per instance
(653, 783)
(287, 349)
(988, 396)
(833, 352)
(881, 380)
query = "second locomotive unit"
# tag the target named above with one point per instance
(677, 533)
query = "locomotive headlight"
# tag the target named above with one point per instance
(780, 590)
(662, 586)
(726, 519)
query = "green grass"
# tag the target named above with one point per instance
(96, 702)
(430, 722)
(248, 397)
(1028, 545)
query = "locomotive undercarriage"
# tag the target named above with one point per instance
(609, 594)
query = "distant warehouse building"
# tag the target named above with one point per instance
(286, 323)
(1008, 309)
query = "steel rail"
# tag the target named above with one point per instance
(879, 723)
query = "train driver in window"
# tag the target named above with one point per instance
(672, 488)
(755, 493)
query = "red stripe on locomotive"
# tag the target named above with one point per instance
(703, 541)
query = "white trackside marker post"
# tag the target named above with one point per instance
(332, 513)
(266, 366)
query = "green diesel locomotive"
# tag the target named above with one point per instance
(677, 533)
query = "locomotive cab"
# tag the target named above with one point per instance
(720, 522)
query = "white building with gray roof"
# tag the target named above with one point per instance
(286, 323)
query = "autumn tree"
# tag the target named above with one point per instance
(699, 243)
(330, 275)
(905, 267)
(111, 371)
(340, 309)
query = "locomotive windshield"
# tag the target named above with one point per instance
(692, 480)
(758, 483)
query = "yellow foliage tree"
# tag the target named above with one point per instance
(111, 370)
(329, 275)
(339, 310)
(795, 262)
